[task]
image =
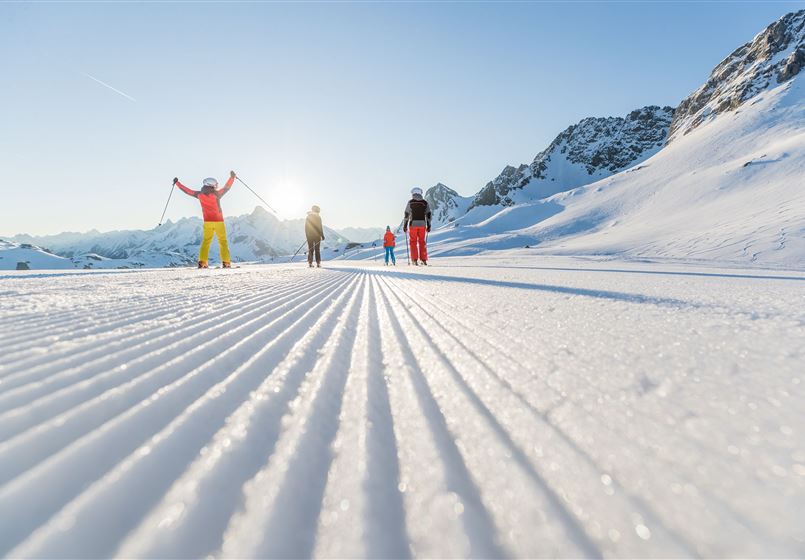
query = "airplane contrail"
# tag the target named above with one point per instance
(104, 84)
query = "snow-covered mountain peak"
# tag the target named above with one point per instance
(608, 143)
(773, 57)
(591, 149)
(445, 203)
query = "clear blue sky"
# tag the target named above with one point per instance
(346, 105)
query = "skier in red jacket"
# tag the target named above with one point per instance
(389, 241)
(210, 198)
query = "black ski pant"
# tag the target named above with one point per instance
(313, 245)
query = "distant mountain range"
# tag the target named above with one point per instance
(259, 236)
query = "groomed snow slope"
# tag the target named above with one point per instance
(489, 408)
(730, 190)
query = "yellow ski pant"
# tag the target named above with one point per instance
(210, 229)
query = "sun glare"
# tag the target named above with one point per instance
(291, 201)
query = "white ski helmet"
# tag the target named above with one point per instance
(210, 182)
(416, 190)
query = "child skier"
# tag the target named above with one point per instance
(210, 198)
(314, 232)
(389, 241)
(418, 216)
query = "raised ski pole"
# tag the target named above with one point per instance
(257, 195)
(166, 204)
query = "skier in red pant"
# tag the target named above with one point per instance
(418, 217)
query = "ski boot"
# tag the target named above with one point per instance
(226, 265)
(203, 264)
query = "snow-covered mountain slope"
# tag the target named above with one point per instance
(728, 189)
(256, 236)
(362, 234)
(773, 57)
(585, 152)
(490, 408)
(446, 204)
(24, 256)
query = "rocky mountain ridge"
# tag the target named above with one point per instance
(772, 58)
(587, 151)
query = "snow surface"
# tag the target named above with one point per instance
(510, 406)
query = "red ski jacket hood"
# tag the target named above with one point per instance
(210, 199)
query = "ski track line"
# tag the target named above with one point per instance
(51, 361)
(509, 364)
(340, 529)
(279, 519)
(30, 322)
(560, 391)
(137, 423)
(387, 534)
(728, 514)
(191, 519)
(665, 433)
(169, 310)
(155, 466)
(492, 455)
(32, 369)
(51, 435)
(363, 514)
(99, 308)
(518, 413)
(98, 384)
(73, 469)
(230, 301)
(444, 510)
(96, 325)
(60, 379)
(48, 343)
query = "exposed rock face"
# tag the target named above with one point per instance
(589, 150)
(445, 204)
(497, 191)
(773, 57)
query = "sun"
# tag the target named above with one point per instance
(291, 200)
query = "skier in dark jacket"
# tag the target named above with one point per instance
(314, 231)
(418, 217)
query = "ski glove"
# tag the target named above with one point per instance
(175, 180)
(232, 174)
(428, 228)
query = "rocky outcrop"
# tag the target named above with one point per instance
(445, 204)
(773, 57)
(589, 150)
